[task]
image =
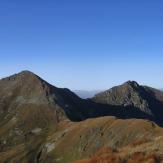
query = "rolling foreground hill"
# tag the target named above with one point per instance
(40, 123)
(71, 141)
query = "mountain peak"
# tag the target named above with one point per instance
(22, 76)
(132, 83)
(26, 72)
(27, 90)
(132, 95)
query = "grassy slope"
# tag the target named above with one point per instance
(70, 141)
(75, 141)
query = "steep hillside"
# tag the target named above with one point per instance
(71, 141)
(28, 90)
(29, 106)
(74, 141)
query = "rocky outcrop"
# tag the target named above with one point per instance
(134, 96)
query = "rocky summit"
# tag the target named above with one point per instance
(134, 96)
(40, 123)
(27, 90)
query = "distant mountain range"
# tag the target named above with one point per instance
(38, 120)
(86, 94)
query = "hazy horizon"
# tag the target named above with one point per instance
(85, 44)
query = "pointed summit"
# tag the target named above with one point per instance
(26, 73)
(132, 83)
(28, 96)
(131, 94)
(122, 95)
(23, 75)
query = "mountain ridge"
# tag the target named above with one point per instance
(130, 93)
(40, 123)
(124, 98)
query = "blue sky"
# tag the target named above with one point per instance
(83, 44)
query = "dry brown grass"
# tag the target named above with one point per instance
(107, 155)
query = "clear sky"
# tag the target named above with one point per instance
(83, 44)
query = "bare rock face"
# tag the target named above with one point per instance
(128, 94)
(133, 95)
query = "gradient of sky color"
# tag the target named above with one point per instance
(83, 44)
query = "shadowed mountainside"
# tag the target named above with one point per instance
(27, 89)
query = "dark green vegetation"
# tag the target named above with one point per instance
(40, 123)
